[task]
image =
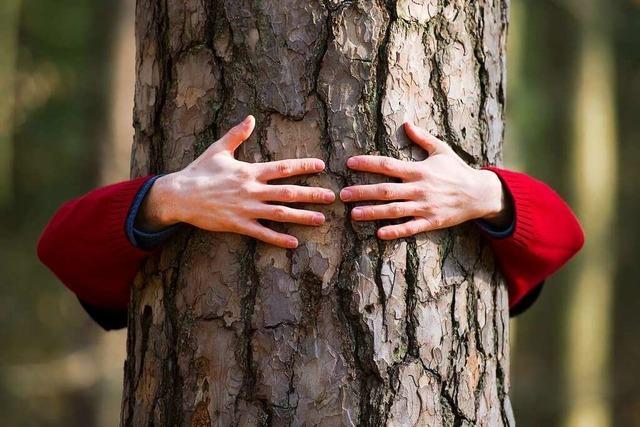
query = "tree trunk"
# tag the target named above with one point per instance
(9, 25)
(346, 329)
(589, 317)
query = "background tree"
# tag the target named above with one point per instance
(9, 12)
(56, 107)
(589, 319)
(345, 329)
(625, 353)
(543, 36)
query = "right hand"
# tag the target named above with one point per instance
(216, 192)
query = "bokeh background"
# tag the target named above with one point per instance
(66, 89)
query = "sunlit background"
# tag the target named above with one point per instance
(66, 89)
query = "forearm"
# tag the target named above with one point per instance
(86, 246)
(546, 234)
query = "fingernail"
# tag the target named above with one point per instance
(292, 242)
(318, 219)
(356, 213)
(345, 195)
(351, 162)
(329, 196)
(319, 165)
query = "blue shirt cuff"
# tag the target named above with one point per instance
(139, 238)
(494, 232)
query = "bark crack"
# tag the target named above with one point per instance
(171, 379)
(483, 74)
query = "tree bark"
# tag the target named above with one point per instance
(346, 329)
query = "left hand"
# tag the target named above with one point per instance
(438, 192)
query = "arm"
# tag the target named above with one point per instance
(545, 235)
(86, 247)
(94, 243)
(530, 228)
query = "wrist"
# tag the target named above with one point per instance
(493, 202)
(158, 210)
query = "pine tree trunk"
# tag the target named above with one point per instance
(346, 329)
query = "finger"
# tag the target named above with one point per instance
(424, 139)
(290, 167)
(267, 235)
(388, 211)
(382, 165)
(388, 191)
(409, 228)
(286, 214)
(296, 194)
(237, 135)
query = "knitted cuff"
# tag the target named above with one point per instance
(494, 232)
(140, 238)
(516, 185)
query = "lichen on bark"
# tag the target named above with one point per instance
(345, 329)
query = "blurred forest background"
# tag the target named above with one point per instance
(66, 91)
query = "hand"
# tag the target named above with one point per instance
(439, 192)
(216, 192)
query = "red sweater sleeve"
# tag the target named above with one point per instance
(546, 235)
(85, 245)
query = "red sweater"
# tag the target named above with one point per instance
(87, 248)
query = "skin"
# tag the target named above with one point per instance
(219, 193)
(439, 192)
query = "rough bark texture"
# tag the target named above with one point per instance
(346, 329)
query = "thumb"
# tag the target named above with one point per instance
(424, 139)
(237, 135)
